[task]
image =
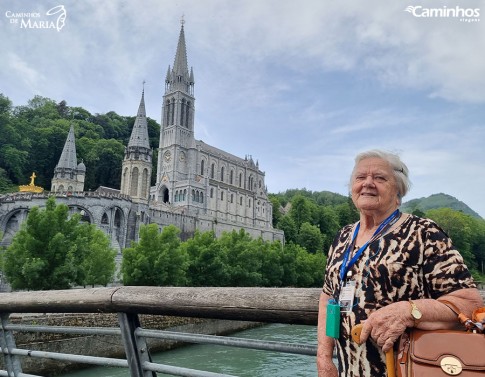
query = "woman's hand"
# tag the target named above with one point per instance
(326, 368)
(387, 324)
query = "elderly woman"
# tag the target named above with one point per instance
(386, 271)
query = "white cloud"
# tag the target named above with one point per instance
(301, 85)
(25, 72)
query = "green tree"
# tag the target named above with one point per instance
(288, 226)
(6, 184)
(459, 227)
(50, 250)
(243, 261)
(310, 238)
(347, 213)
(271, 266)
(156, 259)
(300, 210)
(329, 225)
(98, 264)
(206, 261)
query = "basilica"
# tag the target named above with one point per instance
(198, 186)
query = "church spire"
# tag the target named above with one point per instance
(179, 78)
(137, 163)
(68, 158)
(68, 174)
(139, 134)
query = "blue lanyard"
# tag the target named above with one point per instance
(346, 266)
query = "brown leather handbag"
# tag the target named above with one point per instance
(444, 353)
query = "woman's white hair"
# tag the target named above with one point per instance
(399, 168)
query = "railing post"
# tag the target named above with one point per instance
(135, 347)
(7, 342)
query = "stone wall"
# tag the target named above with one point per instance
(103, 345)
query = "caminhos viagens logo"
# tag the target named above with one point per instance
(462, 14)
(54, 18)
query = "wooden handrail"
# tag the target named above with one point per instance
(281, 305)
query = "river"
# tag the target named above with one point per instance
(236, 361)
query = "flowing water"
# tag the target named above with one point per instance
(235, 361)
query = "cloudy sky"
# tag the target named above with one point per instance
(302, 86)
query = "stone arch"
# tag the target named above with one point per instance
(118, 221)
(85, 214)
(164, 194)
(11, 224)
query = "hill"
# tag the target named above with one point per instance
(438, 201)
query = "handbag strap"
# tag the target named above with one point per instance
(464, 320)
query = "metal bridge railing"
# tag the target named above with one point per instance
(276, 305)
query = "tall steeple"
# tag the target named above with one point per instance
(177, 126)
(68, 174)
(179, 77)
(139, 134)
(68, 158)
(137, 163)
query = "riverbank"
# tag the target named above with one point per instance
(104, 345)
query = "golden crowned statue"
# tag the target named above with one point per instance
(31, 187)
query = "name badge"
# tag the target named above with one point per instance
(346, 298)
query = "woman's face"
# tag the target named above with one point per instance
(374, 186)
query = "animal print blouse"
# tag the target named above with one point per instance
(414, 259)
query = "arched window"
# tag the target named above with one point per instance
(165, 196)
(201, 197)
(240, 179)
(232, 198)
(231, 177)
(172, 111)
(104, 219)
(222, 195)
(202, 167)
(240, 201)
(212, 171)
(212, 193)
(187, 114)
(185, 195)
(222, 174)
(193, 195)
(144, 184)
(134, 182)
(167, 112)
(182, 113)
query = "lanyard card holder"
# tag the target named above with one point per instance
(333, 319)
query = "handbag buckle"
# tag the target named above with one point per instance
(451, 365)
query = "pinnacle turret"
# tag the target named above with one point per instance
(139, 134)
(68, 175)
(179, 78)
(68, 159)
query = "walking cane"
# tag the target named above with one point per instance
(391, 370)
